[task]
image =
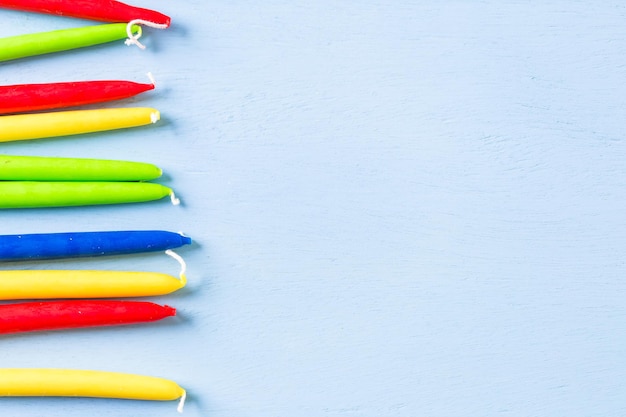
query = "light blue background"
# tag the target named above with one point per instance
(401, 209)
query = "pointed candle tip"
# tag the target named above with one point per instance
(169, 311)
(186, 240)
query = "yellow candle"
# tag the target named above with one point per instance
(49, 284)
(29, 284)
(77, 383)
(64, 123)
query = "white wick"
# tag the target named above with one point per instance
(175, 200)
(181, 403)
(151, 78)
(134, 39)
(155, 116)
(181, 261)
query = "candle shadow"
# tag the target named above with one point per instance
(96, 209)
(151, 35)
(195, 400)
(165, 178)
(95, 49)
(135, 101)
(88, 262)
(108, 135)
(117, 406)
(162, 325)
(178, 30)
(165, 121)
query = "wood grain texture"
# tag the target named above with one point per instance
(401, 208)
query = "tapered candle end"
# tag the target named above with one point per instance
(148, 87)
(168, 311)
(186, 240)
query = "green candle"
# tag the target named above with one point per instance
(27, 194)
(61, 40)
(38, 168)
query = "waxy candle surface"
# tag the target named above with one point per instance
(102, 10)
(38, 168)
(50, 284)
(31, 97)
(15, 382)
(65, 123)
(57, 315)
(77, 244)
(23, 46)
(31, 194)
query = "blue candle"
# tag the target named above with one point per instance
(67, 245)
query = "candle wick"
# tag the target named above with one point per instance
(151, 78)
(181, 404)
(133, 39)
(175, 200)
(183, 265)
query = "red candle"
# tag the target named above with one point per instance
(55, 315)
(101, 10)
(31, 97)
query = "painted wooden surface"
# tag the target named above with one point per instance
(401, 209)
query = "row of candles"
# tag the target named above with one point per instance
(30, 181)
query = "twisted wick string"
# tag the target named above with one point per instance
(133, 39)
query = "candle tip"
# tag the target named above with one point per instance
(169, 311)
(184, 238)
(155, 116)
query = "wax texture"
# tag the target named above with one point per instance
(33, 97)
(15, 382)
(51, 284)
(37, 168)
(65, 123)
(78, 244)
(102, 10)
(56, 315)
(23, 46)
(34, 194)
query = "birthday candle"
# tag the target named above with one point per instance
(64, 123)
(39, 168)
(16, 382)
(33, 194)
(32, 97)
(76, 244)
(102, 10)
(23, 46)
(57, 315)
(50, 284)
